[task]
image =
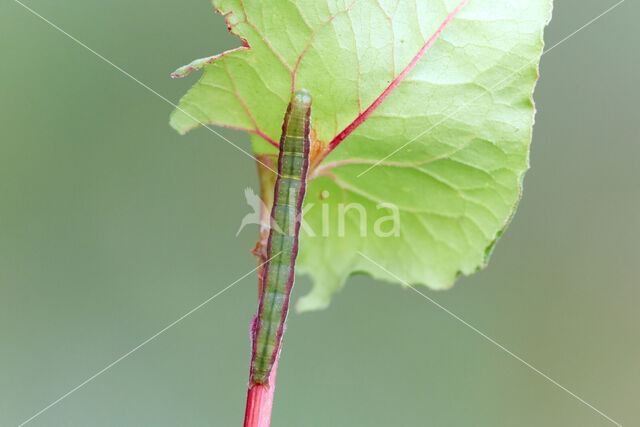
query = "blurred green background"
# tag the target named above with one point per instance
(112, 226)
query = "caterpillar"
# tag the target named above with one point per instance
(282, 245)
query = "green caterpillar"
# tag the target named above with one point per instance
(282, 246)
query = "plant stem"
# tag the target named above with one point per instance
(260, 402)
(260, 398)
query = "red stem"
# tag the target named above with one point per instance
(259, 397)
(260, 401)
(366, 113)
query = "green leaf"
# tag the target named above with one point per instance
(459, 125)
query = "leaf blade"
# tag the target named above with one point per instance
(459, 125)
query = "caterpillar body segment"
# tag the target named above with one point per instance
(282, 246)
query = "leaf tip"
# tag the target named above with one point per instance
(177, 124)
(311, 302)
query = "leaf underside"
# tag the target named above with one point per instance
(465, 114)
